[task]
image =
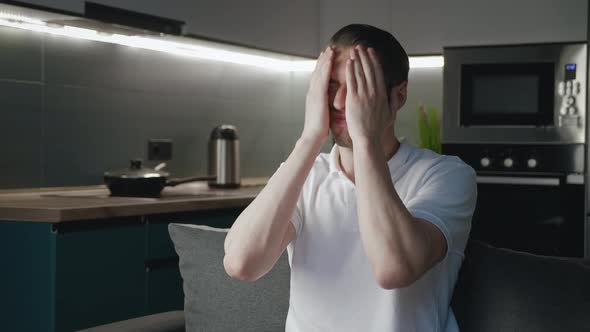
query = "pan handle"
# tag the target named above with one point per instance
(177, 181)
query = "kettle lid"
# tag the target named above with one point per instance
(225, 131)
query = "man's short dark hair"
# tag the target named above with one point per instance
(391, 54)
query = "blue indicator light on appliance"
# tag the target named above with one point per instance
(570, 71)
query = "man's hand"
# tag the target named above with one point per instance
(317, 117)
(367, 107)
(263, 230)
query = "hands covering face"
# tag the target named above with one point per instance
(317, 112)
(367, 106)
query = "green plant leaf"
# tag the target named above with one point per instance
(429, 128)
(423, 129)
(435, 132)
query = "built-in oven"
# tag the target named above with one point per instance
(515, 93)
(517, 115)
(530, 197)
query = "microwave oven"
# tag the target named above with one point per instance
(515, 94)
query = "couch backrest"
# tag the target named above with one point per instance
(504, 290)
(498, 290)
(214, 301)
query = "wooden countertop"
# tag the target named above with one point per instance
(55, 205)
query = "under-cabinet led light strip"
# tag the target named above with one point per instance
(428, 61)
(274, 62)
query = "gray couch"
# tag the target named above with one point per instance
(498, 290)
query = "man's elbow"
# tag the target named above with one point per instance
(238, 268)
(394, 276)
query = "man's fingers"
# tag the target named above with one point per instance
(323, 64)
(378, 71)
(321, 59)
(358, 72)
(327, 57)
(350, 79)
(368, 68)
(326, 68)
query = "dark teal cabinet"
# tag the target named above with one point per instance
(164, 289)
(99, 273)
(27, 276)
(74, 275)
(63, 277)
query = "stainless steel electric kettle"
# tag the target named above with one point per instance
(224, 157)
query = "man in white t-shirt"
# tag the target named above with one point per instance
(376, 229)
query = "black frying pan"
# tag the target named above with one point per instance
(138, 181)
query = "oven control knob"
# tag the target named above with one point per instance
(508, 162)
(572, 110)
(532, 163)
(485, 162)
(561, 88)
(570, 100)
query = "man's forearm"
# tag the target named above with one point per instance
(256, 236)
(394, 243)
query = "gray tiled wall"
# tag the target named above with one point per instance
(72, 109)
(21, 134)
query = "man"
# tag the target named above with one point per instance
(376, 229)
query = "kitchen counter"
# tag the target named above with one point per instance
(56, 205)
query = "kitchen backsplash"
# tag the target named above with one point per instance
(72, 109)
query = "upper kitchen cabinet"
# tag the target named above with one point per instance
(283, 26)
(75, 6)
(337, 13)
(425, 26)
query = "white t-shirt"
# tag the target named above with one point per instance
(332, 285)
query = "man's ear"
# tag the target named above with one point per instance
(399, 94)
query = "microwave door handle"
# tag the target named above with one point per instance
(528, 181)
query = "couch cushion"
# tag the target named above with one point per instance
(505, 290)
(214, 301)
